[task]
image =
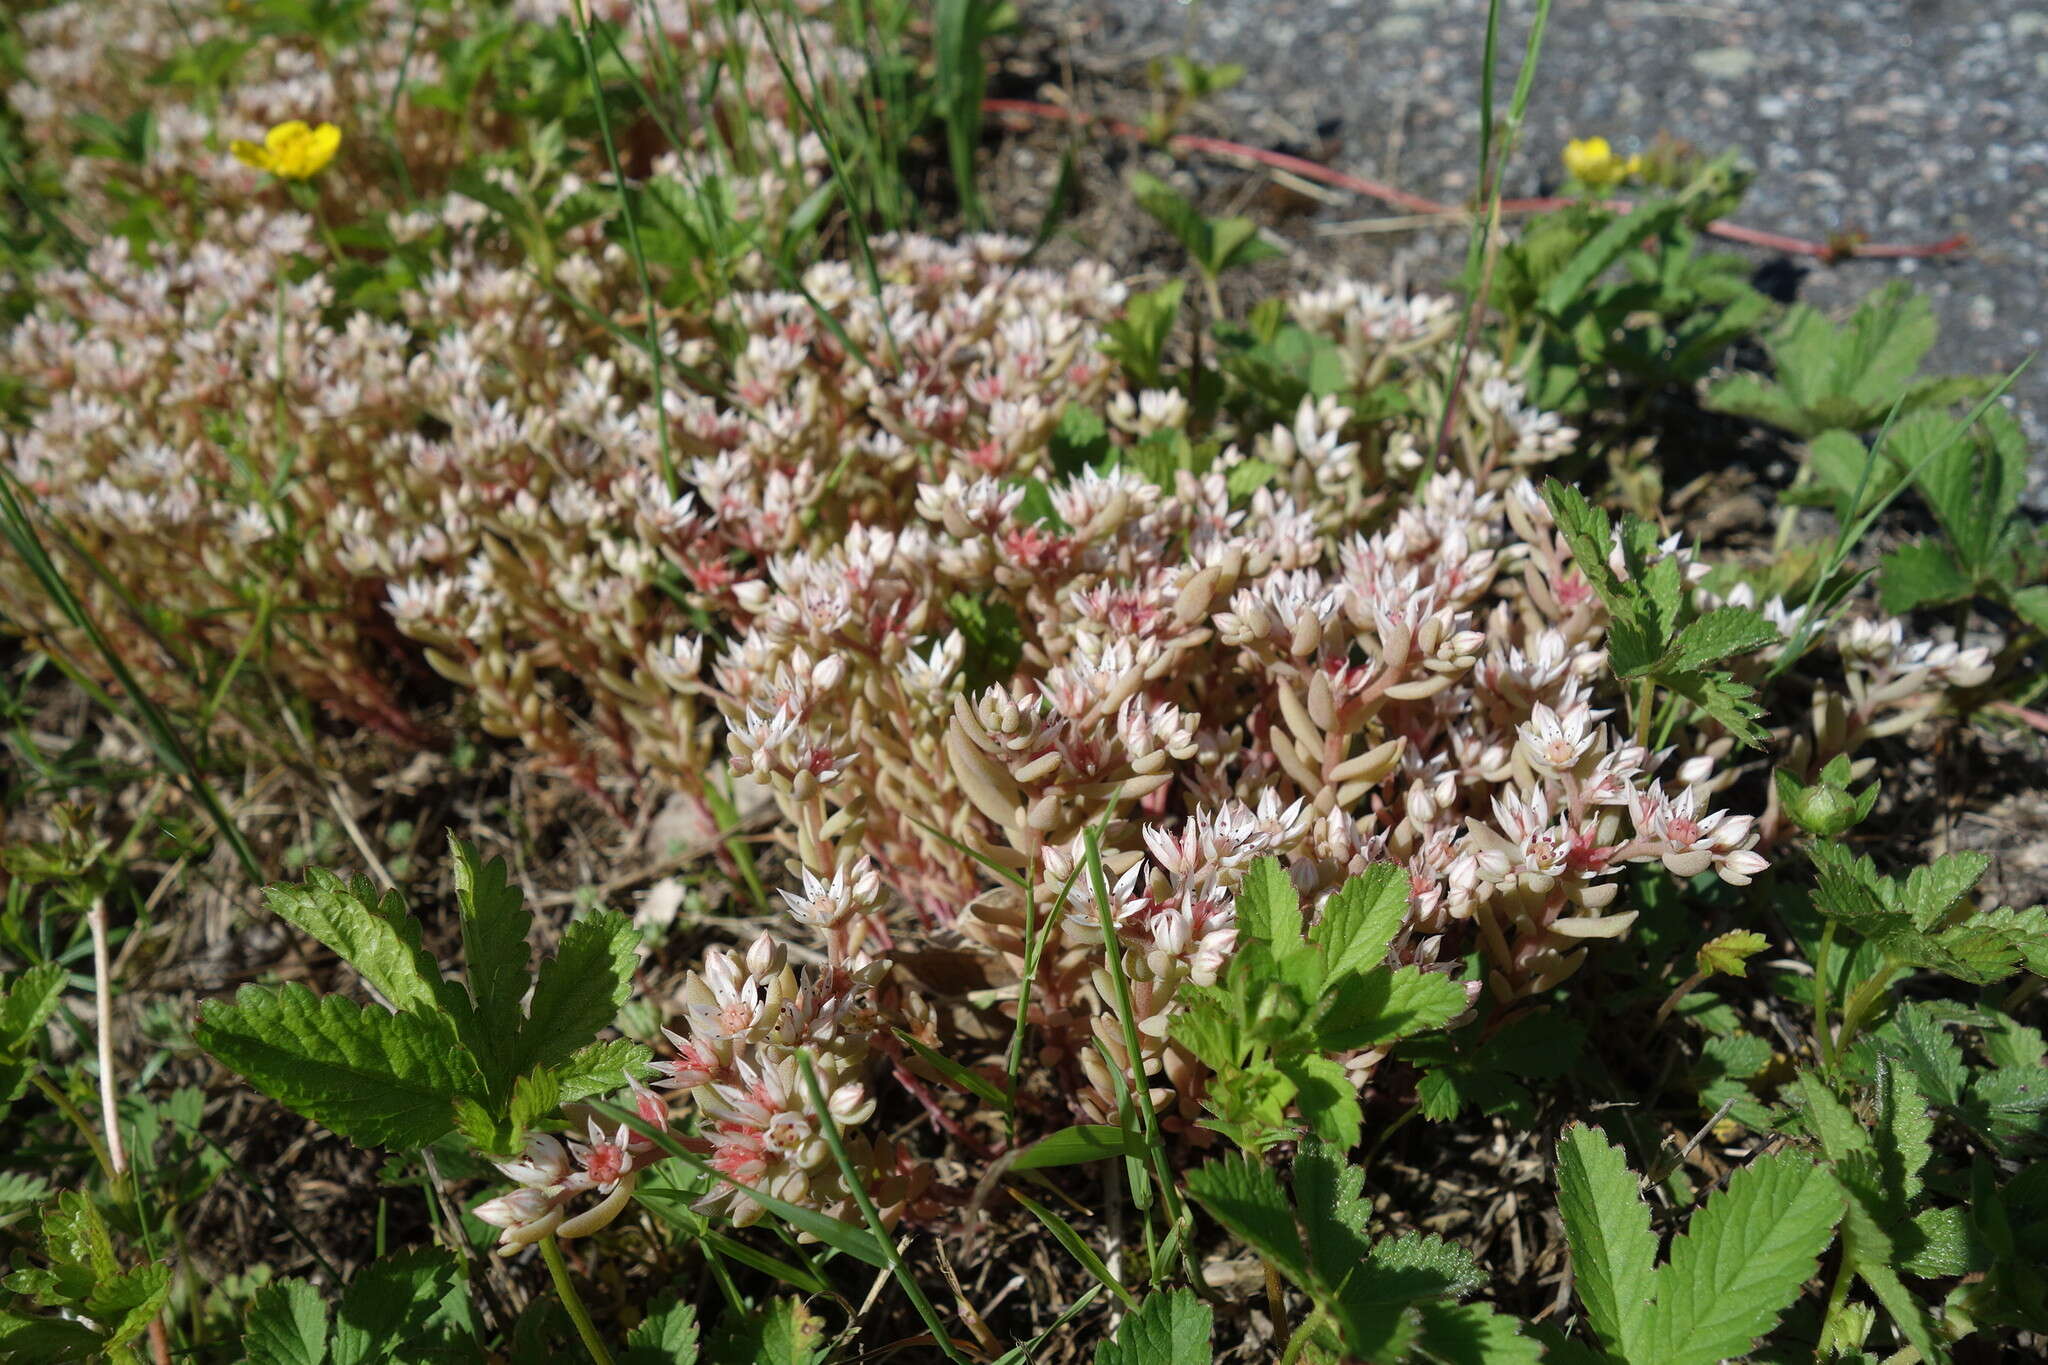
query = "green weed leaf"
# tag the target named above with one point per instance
(286, 1325)
(578, 991)
(378, 1079)
(1169, 1328)
(496, 957)
(1361, 918)
(1245, 1196)
(666, 1336)
(372, 933)
(1377, 1008)
(1614, 1253)
(1742, 1260)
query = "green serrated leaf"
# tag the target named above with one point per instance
(1268, 907)
(1903, 1136)
(48, 1340)
(1731, 703)
(1932, 890)
(1361, 917)
(1614, 1253)
(400, 1310)
(1417, 1265)
(1334, 1213)
(372, 933)
(496, 957)
(1382, 1007)
(1918, 1041)
(27, 1004)
(1720, 634)
(1475, 1334)
(601, 1067)
(1922, 573)
(1169, 1328)
(1326, 1095)
(378, 1079)
(124, 1305)
(1246, 1198)
(1589, 535)
(1729, 953)
(780, 1332)
(666, 1336)
(578, 991)
(1943, 1244)
(1743, 1259)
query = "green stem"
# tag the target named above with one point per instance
(1387, 1132)
(1684, 989)
(871, 1215)
(1820, 997)
(62, 1103)
(649, 299)
(1861, 1003)
(551, 1252)
(1838, 1294)
(1141, 1090)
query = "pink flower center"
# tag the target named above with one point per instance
(606, 1163)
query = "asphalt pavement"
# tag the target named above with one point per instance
(1905, 120)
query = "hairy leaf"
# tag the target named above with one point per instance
(779, 1332)
(1920, 1043)
(1361, 918)
(371, 933)
(578, 991)
(1246, 1198)
(28, 1002)
(1721, 634)
(494, 928)
(666, 1336)
(378, 1079)
(1386, 1006)
(287, 1325)
(1169, 1328)
(1614, 1252)
(1475, 1334)
(402, 1309)
(1922, 573)
(1743, 1259)
(1730, 952)
(1267, 906)
(1327, 1096)
(1334, 1213)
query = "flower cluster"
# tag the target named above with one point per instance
(549, 1177)
(752, 1022)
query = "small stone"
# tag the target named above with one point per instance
(1400, 27)
(1724, 63)
(1773, 107)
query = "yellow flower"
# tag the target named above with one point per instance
(1591, 162)
(291, 150)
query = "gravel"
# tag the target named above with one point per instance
(1906, 120)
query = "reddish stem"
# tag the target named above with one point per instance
(1836, 248)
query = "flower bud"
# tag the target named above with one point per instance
(544, 1163)
(1824, 809)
